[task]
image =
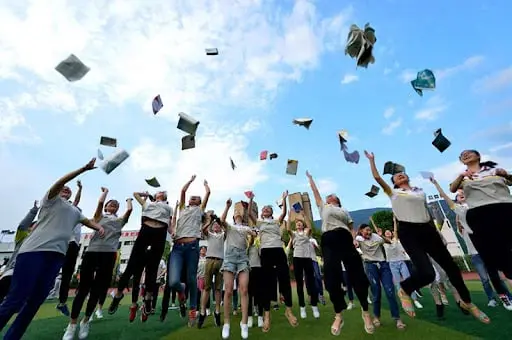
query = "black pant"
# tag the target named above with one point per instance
(495, 244)
(256, 280)
(421, 240)
(95, 277)
(337, 247)
(68, 269)
(270, 258)
(303, 267)
(5, 285)
(141, 257)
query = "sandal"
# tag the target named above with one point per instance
(291, 318)
(406, 303)
(376, 322)
(368, 325)
(476, 312)
(400, 324)
(337, 330)
(266, 324)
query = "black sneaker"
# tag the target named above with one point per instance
(464, 311)
(200, 321)
(183, 310)
(216, 318)
(440, 311)
(506, 302)
(115, 304)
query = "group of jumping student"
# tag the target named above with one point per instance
(253, 254)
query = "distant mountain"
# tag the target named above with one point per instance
(359, 216)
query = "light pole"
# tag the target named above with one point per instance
(438, 201)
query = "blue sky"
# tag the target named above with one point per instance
(279, 60)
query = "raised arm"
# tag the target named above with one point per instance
(172, 227)
(284, 208)
(129, 209)
(316, 193)
(395, 228)
(94, 226)
(253, 219)
(26, 222)
(443, 194)
(57, 186)
(376, 174)
(141, 198)
(99, 208)
(206, 196)
(183, 195)
(78, 195)
(206, 224)
(225, 212)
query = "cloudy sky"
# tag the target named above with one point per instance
(278, 60)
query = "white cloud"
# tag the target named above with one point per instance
(349, 78)
(432, 109)
(495, 82)
(326, 186)
(387, 71)
(138, 49)
(388, 113)
(392, 126)
(470, 63)
(501, 147)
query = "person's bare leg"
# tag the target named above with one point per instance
(243, 285)
(229, 279)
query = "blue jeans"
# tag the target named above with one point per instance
(400, 272)
(33, 278)
(318, 279)
(480, 268)
(379, 272)
(184, 255)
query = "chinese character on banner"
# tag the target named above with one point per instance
(430, 197)
(436, 197)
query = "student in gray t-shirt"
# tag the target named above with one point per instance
(42, 254)
(98, 263)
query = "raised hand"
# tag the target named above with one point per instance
(205, 183)
(90, 165)
(285, 194)
(36, 203)
(308, 175)
(104, 190)
(192, 178)
(229, 202)
(369, 155)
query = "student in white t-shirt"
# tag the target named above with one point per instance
(420, 239)
(41, 255)
(487, 275)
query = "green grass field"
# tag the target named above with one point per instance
(49, 325)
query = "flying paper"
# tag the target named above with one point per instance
(426, 174)
(440, 142)
(291, 167)
(351, 157)
(72, 68)
(153, 182)
(391, 168)
(297, 207)
(263, 155)
(188, 142)
(374, 191)
(187, 124)
(249, 194)
(100, 155)
(212, 51)
(107, 141)
(112, 162)
(273, 156)
(425, 80)
(157, 104)
(360, 45)
(233, 166)
(306, 122)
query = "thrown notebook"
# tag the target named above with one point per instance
(107, 141)
(391, 168)
(440, 142)
(306, 122)
(292, 166)
(72, 68)
(157, 104)
(153, 182)
(374, 191)
(112, 162)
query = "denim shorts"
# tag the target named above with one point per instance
(236, 260)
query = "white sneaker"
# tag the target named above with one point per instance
(316, 312)
(208, 312)
(418, 304)
(99, 314)
(303, 314)
(83, 332)
(70, 332)
(506, 302)
(350, 306)
(244, 331)
(225, 331)
(250, 322)
(260, 321)
(492, 303)
(369, 300)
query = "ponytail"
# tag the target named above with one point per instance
(489, 164)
